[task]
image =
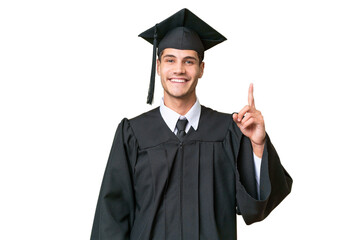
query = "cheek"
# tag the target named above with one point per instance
(197, 73)
(160, 70)
(163, 71)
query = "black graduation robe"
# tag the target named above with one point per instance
(158, 187)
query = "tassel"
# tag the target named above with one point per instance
(152, 77)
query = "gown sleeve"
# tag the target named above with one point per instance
(275, 182)
(115, 209)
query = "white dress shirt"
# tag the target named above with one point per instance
(193, 116)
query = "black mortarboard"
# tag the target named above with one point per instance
(183, 30)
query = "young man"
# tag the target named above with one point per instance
(183, 171)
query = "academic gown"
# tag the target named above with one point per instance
(156, 186)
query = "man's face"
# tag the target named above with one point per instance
(179, 71)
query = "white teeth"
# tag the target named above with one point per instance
(178, 80)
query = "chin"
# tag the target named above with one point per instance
(180, 95)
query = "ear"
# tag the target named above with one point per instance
(158, 66)
(202, 66)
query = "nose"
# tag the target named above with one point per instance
(179, 68)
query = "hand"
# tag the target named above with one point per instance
(251, 123)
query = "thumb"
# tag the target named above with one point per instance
(235, 117)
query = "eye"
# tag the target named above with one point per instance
(169, 60)
(189, 62)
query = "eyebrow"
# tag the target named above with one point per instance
(169, 55)
(190, 57)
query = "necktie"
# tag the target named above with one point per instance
(180, 125)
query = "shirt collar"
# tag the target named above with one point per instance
(171, 117)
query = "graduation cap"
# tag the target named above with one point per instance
(184, 31)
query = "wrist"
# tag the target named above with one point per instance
(258, 149)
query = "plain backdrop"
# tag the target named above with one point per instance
(71, 70)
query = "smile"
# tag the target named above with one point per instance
(178, 80)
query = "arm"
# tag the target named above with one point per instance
(257, 166)
(115, 209)
(275, 182)
(256, 200)
(251, 124)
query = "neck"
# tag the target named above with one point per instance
(179, 105)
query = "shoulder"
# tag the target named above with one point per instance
(214, 115)
(144, 122)
(149, 128)
(139, 128)
(129, 127)
(144, 118)
(213, 124)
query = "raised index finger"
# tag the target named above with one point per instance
(251, 96)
